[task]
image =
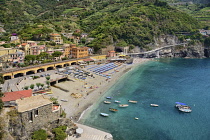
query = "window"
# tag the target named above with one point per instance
(30, 116)
(36, 112)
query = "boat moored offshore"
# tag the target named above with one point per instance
(183, 107)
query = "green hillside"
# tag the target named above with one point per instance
(119, 22)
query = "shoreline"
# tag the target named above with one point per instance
(76, 109)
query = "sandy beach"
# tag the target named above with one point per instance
(91, 89)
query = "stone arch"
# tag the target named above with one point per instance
(30, 72)
(59, 66)
(41, 70)
(18, 75)
(50, 68)
(65, 65)
(118, 49)
(7, 77)
(73, 63)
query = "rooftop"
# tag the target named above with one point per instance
(12, 96)
(32, 102)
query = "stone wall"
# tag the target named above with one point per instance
(24, 126)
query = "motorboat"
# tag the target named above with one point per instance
(154, 105)
(116, 101)
(136, 118)
(104, 114)
(123, 105)
(107, 102)
(112, 109)
(183, 107)
(109, 97)
(131, 101)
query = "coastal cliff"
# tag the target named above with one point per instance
(184, 50)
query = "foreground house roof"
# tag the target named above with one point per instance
(12, 96)
(33, 102)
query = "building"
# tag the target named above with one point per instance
(37, 111)
(204, 32)
(36, 50)
(14, 39)
(66, 48)
(78, 52)
(56, 38)
(10, 98)
(26, 47)
(111, 54)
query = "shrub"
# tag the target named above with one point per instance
(60, 132)
(39, 135)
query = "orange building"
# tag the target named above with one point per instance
(78, 52)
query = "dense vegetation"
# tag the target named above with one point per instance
(118, 22)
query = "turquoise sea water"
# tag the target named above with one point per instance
(162, 82)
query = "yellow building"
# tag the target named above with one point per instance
(66, 49)
(56, 38)
(78, 52)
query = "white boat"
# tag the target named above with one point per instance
(183, 107)
(116, 101)
(136, 118)
(131, 101)
(154, 105)
(107, 102)
(123, 105)
(104, 114)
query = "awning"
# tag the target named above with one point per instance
(79, 130)
(88, 59)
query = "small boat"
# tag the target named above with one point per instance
(112, 109)
(154, 105)
(183, 107)
(136, 118)
(123, 105)
(109, 97)
(104, 114)
(116, 101)
(131, 101)
(107, 102)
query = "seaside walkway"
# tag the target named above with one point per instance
(90, 133)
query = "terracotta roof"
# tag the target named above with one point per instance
(88, 59)
(111, 51)
(33, 102)
(12, 96)
(24, 44)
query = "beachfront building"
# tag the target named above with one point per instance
(10, 98)
(56, 38)
(78, 52)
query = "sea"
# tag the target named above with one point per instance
(162, 82)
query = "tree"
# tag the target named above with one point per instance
(30, 58)
(39, 135)
(32, 86)
(38, 84)
(60, 133)
(26, 87)
(47, 77)
(48, 83)
(42, 85)
(57, 54)
(43, 55)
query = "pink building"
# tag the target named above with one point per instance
(36, 50)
